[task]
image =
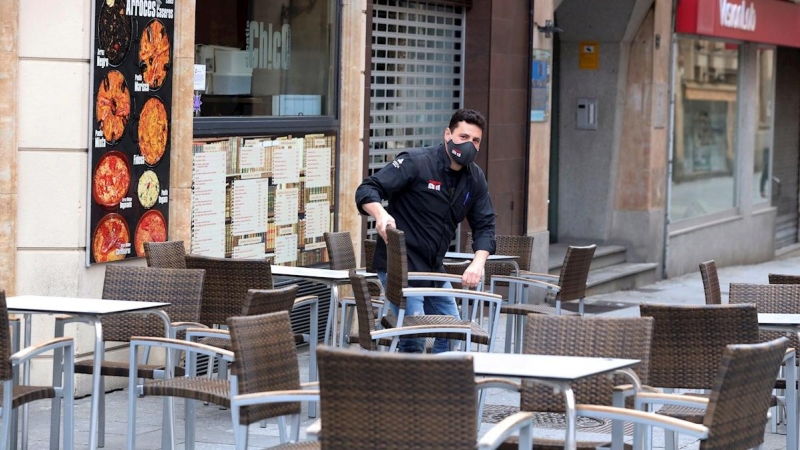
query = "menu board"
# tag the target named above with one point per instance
(129, 127)
(279, 197)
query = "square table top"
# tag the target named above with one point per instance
(766, 319)
(462, 255)
(545, 367)
(41, 304)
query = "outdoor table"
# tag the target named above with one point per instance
(556, 371)
(89, 311)
(788, 323)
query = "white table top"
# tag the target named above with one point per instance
(545, 367)
(40, 304)
(460, 255)
(315, 273)
(779, 319)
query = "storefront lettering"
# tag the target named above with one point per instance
(268, 49)
(99, 140)
(102, 61)
(149, 8)
(126, 203)
(164, 197)
(740, 16)
(138, 160)
(139, 85)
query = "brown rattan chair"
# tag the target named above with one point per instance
(180, 287)
(688, 344)
(342, 256)
(779, 278)
(359, 413)
(166, 255)
(226, 284)
(708, 271)
(13, 395)
(520, 246)
(770, 298)
(736, 412)
(264, 362)
(607, 337)
(397, 278)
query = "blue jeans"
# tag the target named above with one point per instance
(418, 306)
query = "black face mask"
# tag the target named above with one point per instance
(464, 153)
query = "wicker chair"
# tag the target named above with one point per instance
(569, 286)
(166, 255)
(736, 412)
(397, 278)
(226, 284)
(369, 253)
(688, 343)
(770, 298)
(628, 337)
(359, 413)
(708, 271)
(14, 395)
(180, 287)
(520, 246)
(343, 257)
(778, 278)
(264, 362)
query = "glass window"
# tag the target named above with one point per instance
(703, 180)
(267, 57)
(763, 143)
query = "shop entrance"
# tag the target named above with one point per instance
(787, 146)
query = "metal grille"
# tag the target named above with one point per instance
(416, 80)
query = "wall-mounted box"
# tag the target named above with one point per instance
(586, 118)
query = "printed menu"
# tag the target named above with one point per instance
(129, 142)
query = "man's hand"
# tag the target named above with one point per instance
(382, 218)
(474, 273)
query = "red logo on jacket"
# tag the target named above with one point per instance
(435, 185)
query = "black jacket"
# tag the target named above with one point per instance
(417, 188)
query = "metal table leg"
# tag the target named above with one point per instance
(791, 403)
(571, 439)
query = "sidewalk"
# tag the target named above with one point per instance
(214, 430)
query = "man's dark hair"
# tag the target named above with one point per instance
(470, 116)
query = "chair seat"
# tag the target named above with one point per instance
(479, 335)
(212, 390)
(27, 394)
(297, 446)
(527, 308)
(687, 413)
(120, 369)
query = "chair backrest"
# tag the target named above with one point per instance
(737, 410)
(267, 301)
(341, 254)
(166, 255)
(521, 246)
(396, 401)
(265, 359)
(226, 284)
(770, 298)
(456, 268)
(779, 278)
(708, 272)
(6, 372)
(574, 272)
(627, 337)
(182, 288)
(363, 298)
(688, 341)
(369, 253)
(396, 267)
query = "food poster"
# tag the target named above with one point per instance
(129, 143)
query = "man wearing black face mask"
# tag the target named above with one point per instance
(430, 191)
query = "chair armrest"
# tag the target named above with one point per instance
(672, 399)
(187, 346)
(34, 350)
(422, 329)
(644, 418)
(192, 333)
(505, 428)
(260, 398)
(528, 282)
(434, 276)
(538, 276)
(313, 385)
(182, 326)
(458, 293)
(628, 389)
(305, 300)
(498, 383)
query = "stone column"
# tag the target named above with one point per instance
(9, 61)
(351, 137)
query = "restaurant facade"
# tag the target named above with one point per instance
(265, 115)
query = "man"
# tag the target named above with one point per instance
(430, 191)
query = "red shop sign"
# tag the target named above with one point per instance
(766, 21)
